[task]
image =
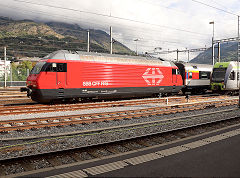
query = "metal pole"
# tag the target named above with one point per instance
(111, 41)
(88, 41)
(212, 44)
(213, 52)
(177, 55)
(5, 67)
(136, 46)
(188, 55)
(238, 76)
(219, 52)
(11, 74)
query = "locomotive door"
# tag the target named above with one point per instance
(174, 76)
(61, 75)
(61, 72)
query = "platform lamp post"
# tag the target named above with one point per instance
(212, 43)
(136, 46)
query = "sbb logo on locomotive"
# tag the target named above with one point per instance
(95, 83)
(153, 76)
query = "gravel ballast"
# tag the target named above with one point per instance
(89, 139)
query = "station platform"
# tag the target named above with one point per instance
(215, 154)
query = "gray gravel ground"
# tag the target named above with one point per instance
(13, 169)
(78, 141)
(40, 163)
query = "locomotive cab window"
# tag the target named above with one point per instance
(38, 68)
(232, 76)
(61, 67)
(55, 67)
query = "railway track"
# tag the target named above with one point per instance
(13, 97)
(40, 108)
(25, 109)
(116, 140)
(34, 123)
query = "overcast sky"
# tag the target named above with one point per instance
(169, 24)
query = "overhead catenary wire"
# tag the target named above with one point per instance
(223, 10)
(106, 15)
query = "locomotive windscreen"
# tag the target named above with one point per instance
(37, 68)
(218, 74)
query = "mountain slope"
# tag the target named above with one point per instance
(23, 28)
(26, 38)
(97, 37)
(228, 53)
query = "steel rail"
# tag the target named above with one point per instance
(32, 123)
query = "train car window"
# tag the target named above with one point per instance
(204, 75)
(232, 75)
(190, 75)
(209, 75)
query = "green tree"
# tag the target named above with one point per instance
(19, 72)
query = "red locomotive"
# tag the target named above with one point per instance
(66, 75)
